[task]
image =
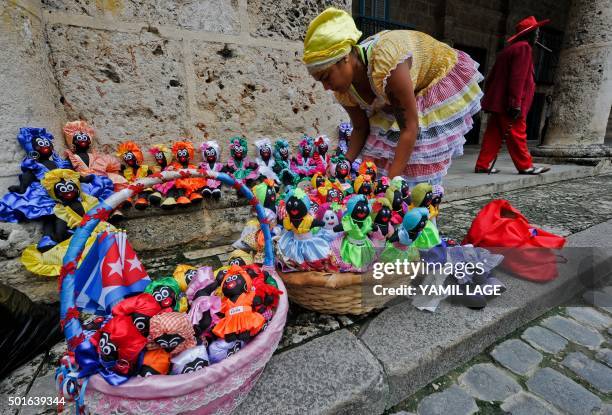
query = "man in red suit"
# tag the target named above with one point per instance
(509, 91)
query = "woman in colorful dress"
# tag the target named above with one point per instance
(410, 98)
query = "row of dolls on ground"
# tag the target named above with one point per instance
(180, 324)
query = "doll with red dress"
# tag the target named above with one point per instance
(189, 188)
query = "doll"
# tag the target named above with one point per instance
(29, 200)
(166, 292)
(382, 227)
(398, 207)
(266, 297)
(172, 332)
(363, 185)
(133, 170)
(265, 161)
(79, 139)
(154, 362)
(71, 204)
(299, 249)
(368, 168)
(203, 316)
(400, 183)
(421, 195)
(210, 156)
(239, 321)
(320, 186)
(355, 251)
(282, 163)
(400, 244)
(240, 258)
(434, 207)
(202, 284)
(220, 349)
(330, 215)
(344, 132)
(381, 185)
(188, 188)
(321, 152)
(304, 163)
(239, 165)
(119, 345)
(190, 360)
(340, 170)
(183, 274)
(162, 191)
(140, 308)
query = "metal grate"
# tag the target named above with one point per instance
(370, 26)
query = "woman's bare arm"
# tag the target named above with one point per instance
(361, 130)
(400, 91)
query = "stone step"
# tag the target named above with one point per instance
(412, 348)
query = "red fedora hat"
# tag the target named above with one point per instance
(527, 25)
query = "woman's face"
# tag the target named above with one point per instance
(337, 77)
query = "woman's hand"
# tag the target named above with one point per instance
(400, 91)
(361, 129)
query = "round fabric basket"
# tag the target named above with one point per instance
(338, 292)
(217, 389)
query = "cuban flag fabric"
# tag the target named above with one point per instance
(110, 272)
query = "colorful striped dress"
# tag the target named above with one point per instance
(447, 96)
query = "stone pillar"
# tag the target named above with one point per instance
(30, 95)
(583, 86)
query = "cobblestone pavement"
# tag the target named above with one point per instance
(560, 363)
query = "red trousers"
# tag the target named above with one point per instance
(499, 127)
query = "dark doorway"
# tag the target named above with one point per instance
(480, 56)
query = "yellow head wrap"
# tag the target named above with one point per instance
(330, 37)
(53, 177)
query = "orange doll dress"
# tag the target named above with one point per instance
(192, 184)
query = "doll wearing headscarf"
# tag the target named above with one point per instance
(239, 164)
(340, 171)
(363, 185)
(355, 251)
(298, 248)
(190, 360)
(240, 321)
(140, 308)
(398, 207)
(29, 200)
(267, 294)
(172, 332)
(330, 215)
(320, 186)
(154, 362)
(368, 168)
(163, 195)
(321, 152)
(421, 196)
(71, 204)
(79, 138)
(282, 167)
(265, 160)
(344, 132)
(189, 188)
(434, 207)
(167, 293)
(304, 163)
(184, 274)
(400, 245)
(202, 284)
(132, 170)
(211, 153)
(382, 227)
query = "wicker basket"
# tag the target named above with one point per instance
(217, 389)
(338, 292)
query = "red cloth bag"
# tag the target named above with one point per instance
(528, 251)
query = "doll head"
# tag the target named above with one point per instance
(330, 215)
(281, 150)
(155, 362)
(381, 185)
(368, 168)
(321, 144)
(306, 147)
(394, 196)
(63, 185)
(334, 195)
(202, 284)
(172, 332)
(183, 152)
(236, 282)
(340, 168)
(402, 185)
(240, 258)
(297, 204)
(421, 195)
(363, 185)
(37, 142)
(238, 148)
(357, 207)
(140, 308)
(118, 340)
(317, 180)
(162, 155)
(264, 148)
(220, 274)
(344, 131)
(381, 211)
(190, 360)
(210, 151)
(414, 222)
(166, 292)
(183, 274)
(266, 193)
(78, 136)
(438, 193)
(130, 153)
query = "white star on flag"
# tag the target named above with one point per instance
(115, 267)
(135, 264)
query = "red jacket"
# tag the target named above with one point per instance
(511, 81)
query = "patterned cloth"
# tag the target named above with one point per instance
(447, 95)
